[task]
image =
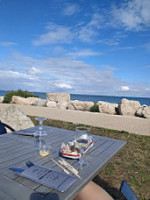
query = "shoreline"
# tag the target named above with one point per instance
(131, 124)
(94, 98)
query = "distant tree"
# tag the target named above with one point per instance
(19, 92)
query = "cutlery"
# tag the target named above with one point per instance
(70, 167)
(66, 171)
(16, 169)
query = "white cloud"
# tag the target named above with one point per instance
(34, 71)
(147, 46)
(125, 88)
(129, 15)
(147, 89)
(109, 42)
(11, 74)
(7, 44)
(86, 34)
(89, 30)
(65, 75)
(133, 15)
(84, 53)
(56, 34)
(59, 74)
(71, 9)
(147, 66)
(63, 85)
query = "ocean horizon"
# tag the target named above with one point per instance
(94, 98)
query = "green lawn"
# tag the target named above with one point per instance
(131, 164)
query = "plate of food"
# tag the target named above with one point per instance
(72, 150)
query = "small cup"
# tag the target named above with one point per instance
(44, 150)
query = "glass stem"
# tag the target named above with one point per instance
(41, 126)
(81, 159)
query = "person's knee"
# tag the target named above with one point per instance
(93, 192)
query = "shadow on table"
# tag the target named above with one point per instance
(114, 192)
(49, 196)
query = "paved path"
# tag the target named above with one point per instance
(130, 124)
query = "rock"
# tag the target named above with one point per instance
(30, 101)
(143, 111)
(19, 100)
(51, 104)
(58, 97)
(1, 99)
(34, 101)
(62, 105)
(71, 106)
(15, 118)
(109, 108)
(80, 105)
(127, 107)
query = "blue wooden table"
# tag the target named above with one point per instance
(16, 149)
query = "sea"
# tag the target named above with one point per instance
(95, 98)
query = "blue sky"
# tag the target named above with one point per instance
(80, 47)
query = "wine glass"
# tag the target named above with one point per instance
(38, 135)
(82, 132)
(81, 141)
(40, 131)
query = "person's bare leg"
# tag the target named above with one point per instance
(93, 192)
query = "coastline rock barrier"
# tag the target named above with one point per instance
(62, 101)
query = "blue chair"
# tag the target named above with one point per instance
(127, 191)
(3, 127)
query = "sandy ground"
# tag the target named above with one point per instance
(130, 124)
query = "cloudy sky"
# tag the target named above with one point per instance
(99, 47)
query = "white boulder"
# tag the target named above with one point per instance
(58, 97)
(108, 108)
(1, 99)
(15, 118)
(71, 106)
(19, 100)
(143, 111)
(80, 105)
(127, 107)
(30, 101)
(34, 101)
(62, 105)
(51, 104)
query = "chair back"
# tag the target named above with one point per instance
(2, 128)
(127, 191)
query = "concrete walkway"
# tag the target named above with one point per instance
(130, 124)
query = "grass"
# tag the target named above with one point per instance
(131, 164)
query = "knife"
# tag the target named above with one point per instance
(16, 169)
